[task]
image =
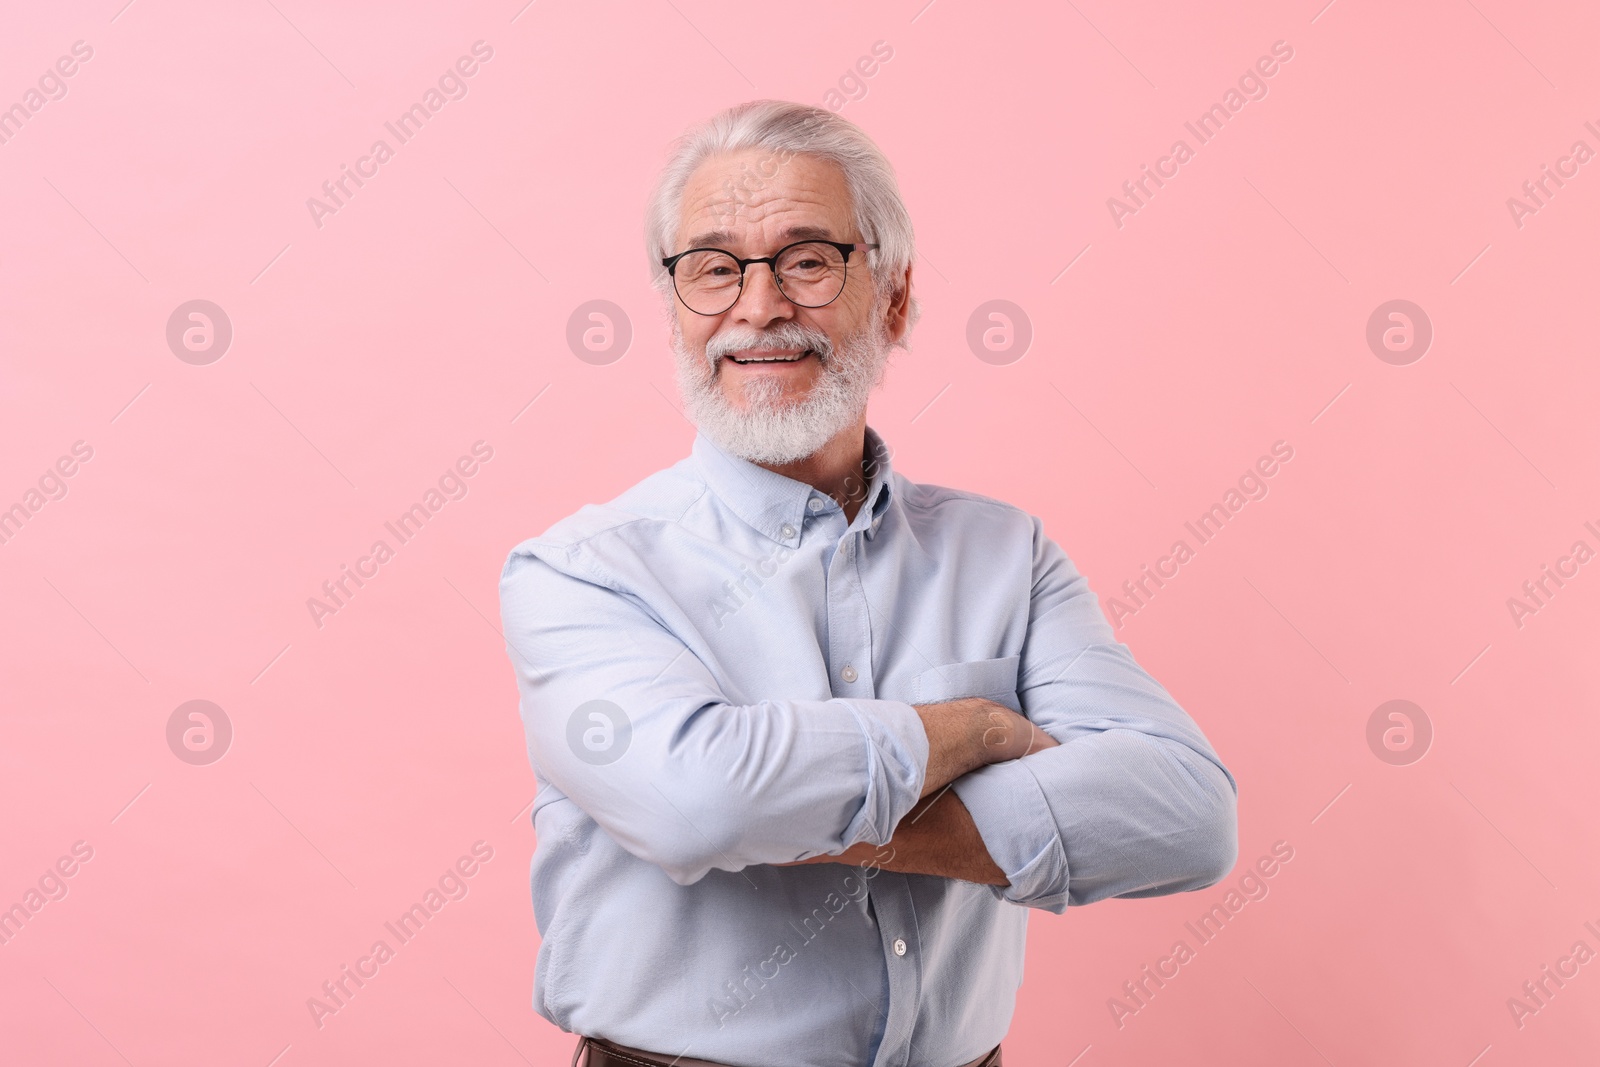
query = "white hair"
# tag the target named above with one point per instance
(786, 129)
(767, 429)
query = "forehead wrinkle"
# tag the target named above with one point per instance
(772, 229)
(795, 232)
(757, 215)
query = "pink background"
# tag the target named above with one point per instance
(368, 354)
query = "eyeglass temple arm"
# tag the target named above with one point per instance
(859, 246)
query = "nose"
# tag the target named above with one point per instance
(761, 303)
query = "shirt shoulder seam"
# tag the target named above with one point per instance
(631, 520)
(943, 494)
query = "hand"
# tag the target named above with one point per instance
(937, 837)
(966, 734)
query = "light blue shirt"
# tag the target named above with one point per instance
(717, 674)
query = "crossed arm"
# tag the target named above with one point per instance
(1106, 787)
(938, 836)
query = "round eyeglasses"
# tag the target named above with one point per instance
(810, 274)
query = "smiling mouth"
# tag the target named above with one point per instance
(794, 357)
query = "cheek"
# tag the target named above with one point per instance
(693, 329)
(850, 311)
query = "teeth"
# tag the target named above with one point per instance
(772, 359)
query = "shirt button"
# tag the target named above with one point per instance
(786, 530)
(849, 673)
(815, 503)
(899, 947)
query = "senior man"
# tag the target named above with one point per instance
(811, 738)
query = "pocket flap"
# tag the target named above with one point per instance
(992, 678)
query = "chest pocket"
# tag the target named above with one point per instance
(995, 679)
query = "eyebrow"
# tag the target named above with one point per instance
(718, 238)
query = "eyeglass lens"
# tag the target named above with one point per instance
(810, 275)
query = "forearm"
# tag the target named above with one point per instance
(664, 812)
(966, 734)
(937, 837)
(638, 735)
(627, 721)
(940, 838)
(1119, 813)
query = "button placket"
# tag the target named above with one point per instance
(894, 910)
(849, 632)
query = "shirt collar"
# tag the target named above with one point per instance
(776, 505)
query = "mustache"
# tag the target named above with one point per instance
(788, 335)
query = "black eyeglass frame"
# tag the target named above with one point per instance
(844, 248)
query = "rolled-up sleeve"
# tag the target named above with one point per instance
(1133, 802)
(685, 779)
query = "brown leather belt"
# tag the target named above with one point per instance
(598, 1053)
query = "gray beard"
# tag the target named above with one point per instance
(769, 429)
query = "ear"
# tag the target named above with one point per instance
(899, 306)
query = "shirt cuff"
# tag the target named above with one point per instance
(897, 764)
(1008, 806)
